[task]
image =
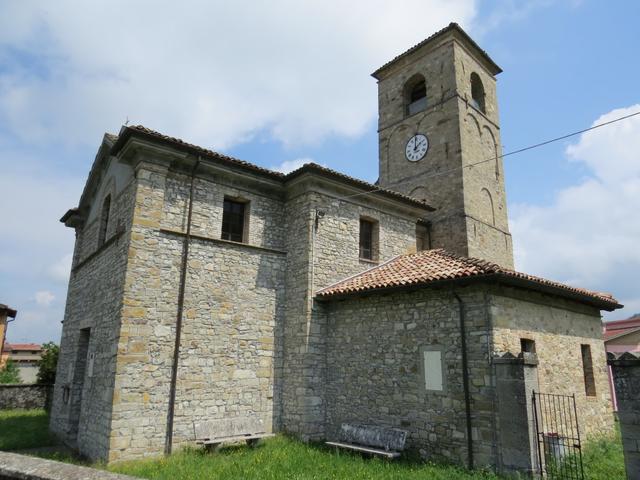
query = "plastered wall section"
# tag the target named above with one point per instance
(233, 297)
(375, 370)
(94, 301)
(558, 327)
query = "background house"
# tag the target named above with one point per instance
(26, 357)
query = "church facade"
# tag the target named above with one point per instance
(207, 287)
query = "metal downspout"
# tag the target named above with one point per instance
(465, 378)
(168, 444)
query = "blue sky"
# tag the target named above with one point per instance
(278, 83)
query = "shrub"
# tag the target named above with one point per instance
(48, 363)
(9, 373)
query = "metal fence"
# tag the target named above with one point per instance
(558, 436)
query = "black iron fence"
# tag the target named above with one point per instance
(558, 435)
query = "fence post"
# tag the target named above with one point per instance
(516, 379)
(626, 380)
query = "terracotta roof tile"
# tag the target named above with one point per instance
(309, 167)
(22, 346)
(451, 26)
(432, 266)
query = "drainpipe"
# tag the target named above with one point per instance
(176, 349)
(465, 378)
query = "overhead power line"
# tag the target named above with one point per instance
(494, 158)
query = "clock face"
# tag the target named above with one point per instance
(417, 147)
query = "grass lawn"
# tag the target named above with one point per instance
(282, 457)
(24, 429)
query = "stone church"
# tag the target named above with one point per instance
(207, 287)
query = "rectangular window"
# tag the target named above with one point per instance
(422, 237)
(587, 369)
(433, 368)
(368, 239)
(527, 345)
(233, 220)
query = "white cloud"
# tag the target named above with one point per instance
(59, 271)
(589, 235)
(44, 298)
(215, 73)
(291, 165)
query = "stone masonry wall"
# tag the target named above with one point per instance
(374, 370)
(81, 411)
(25, 396)
(318, 256)
(626, 378)
(461, 174)
(558, 328)
(233, 297)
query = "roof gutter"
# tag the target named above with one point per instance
(465, 378)
(168, 445)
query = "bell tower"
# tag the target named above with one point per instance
(439, 141)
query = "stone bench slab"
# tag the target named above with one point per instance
(373, 451)
(22, 467)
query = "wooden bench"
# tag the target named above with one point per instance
(386, 442)
(230, 430)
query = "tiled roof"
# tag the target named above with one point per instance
(127, 131)
(450, 27)
(22, 346)
(436, 266)
(631, 322)
(611, 334)
(9, 311)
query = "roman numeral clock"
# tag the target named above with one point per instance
(417, 147)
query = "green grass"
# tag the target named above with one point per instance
(603, 459)
(21, 429)
(283, 457)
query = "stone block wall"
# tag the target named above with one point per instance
(319, 254)
(25, 396)
(516, 378)
(234, 296)
(626, 380)
(375, 373)
(559, 328)
(83, 394)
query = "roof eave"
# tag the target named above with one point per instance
(492, 66)
(484, 278)
(315, 169)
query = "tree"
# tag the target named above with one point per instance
(9, 373)
(48, 363)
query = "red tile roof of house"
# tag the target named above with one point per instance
(433, 267)
(13, 347)
(621, 327)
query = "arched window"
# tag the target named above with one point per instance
(415, 94)
(477, 92)
(104, 220)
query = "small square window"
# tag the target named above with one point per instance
(527, 345)
(233, 220)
